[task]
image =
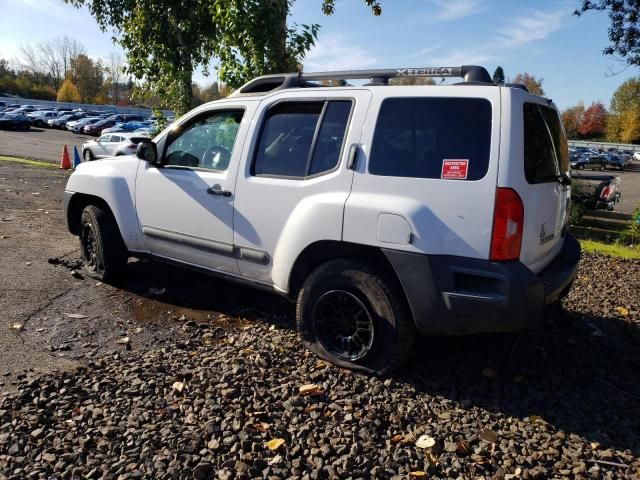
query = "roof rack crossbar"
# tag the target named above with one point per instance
(268, 83)
(470, 73)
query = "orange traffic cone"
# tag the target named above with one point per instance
(65, 161)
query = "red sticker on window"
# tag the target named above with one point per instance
(454, 169)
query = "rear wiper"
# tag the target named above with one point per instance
(562, 179)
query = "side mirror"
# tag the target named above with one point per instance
(147, 151)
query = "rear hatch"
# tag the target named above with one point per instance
(535, 160)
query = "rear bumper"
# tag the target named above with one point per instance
(457, 295)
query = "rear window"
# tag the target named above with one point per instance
(414, 136)
(545, 145)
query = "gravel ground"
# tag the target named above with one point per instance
(225, 401)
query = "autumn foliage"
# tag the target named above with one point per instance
(68, 92)
(594, 121)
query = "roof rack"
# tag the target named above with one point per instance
(270, 83)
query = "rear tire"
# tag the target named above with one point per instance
(349, 315)
(104, 255)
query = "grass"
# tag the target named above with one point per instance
(26, 161)
(610, 249)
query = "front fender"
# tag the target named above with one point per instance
(112, 180)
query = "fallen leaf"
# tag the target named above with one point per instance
(396, 439)
(77, 316)
(431, 458)
(261, 426)
(417, 474)
(122, 341)
(535, 418)
(622, 311)
(178, 386)
(425, 441)
(310, 389)
(275, 443)
(16, 326)
(489, 436)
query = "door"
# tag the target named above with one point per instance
(293, 186)
(102, 146)
(114, 143)
(186, 206)
(545, 199)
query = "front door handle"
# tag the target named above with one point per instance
(217, 190)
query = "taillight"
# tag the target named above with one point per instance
(605, 192)
(133, 145)
(508, 220)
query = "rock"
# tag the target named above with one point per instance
(201, 471)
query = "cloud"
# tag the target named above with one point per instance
(531, 26)
(337, 52)
(463, 56)
(456, 9)
(51, 7)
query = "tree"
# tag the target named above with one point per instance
(115, 70)
(624, 31)
(412, 81)
(572, 118)
(533, 84)
(594, 121)
(88, 76)
(68, 92)
(498, 76)
(165, 40)
(623, 109)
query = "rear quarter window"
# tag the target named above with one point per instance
(546, 152)
(413, 136)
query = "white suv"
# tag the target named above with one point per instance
(381, 210)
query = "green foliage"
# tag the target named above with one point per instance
(633, 230)
(498, 76)
(611, 250)
(88, 76)
(576, 206)
(23, 83)
(624, 31)
(165, 40)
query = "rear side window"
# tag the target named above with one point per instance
(545, 145)
(414, 136)
(300, 139)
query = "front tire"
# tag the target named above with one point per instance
(349, 315)
(104, 255)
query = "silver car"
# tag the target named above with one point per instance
(111, 145)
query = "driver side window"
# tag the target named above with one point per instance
(206, 142)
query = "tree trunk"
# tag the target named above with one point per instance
(281, 60)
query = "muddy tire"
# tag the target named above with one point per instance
(104, 255)
(349, 315)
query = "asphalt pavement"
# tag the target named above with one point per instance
(40, 143)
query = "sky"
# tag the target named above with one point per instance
(543, 38)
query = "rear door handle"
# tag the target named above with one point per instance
(217, 190)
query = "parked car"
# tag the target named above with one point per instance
(40, 118)
(77, 126)
(590, 162)
(14, 121)
(111, 145)
(130, 126)
(453, 222)
(636, 156)
(61, 121)
(596, 192)
(616, 161)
